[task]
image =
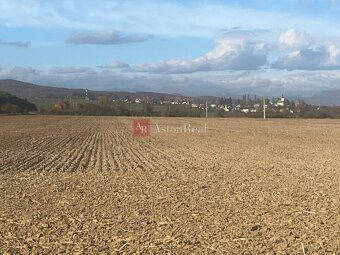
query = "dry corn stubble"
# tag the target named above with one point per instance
(85, 185)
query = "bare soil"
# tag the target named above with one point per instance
(86, 185)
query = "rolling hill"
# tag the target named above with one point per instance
(325, 98)
(29, 90)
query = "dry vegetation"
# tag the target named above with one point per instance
(85, 185)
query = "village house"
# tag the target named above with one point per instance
(280, 102)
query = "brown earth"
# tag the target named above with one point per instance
(86, 185)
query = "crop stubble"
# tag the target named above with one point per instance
(86, 185)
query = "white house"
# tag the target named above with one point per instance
(280, 102)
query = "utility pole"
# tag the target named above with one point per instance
(206, 109)
(264, 108)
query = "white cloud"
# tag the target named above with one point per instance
(334, 55)
(320, 58)
(22, 44)
(197, 18)
(231, 53)
(26, 70)
(70, 70)
(305, 83)
(108, 37)
(115, 64)
(20, 73)
(294, 39)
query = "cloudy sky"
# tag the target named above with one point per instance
(191, 47)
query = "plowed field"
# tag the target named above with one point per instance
(86, 185)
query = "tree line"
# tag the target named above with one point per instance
(12, 104)
(121, 108)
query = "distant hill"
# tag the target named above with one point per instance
(28, 90)
(199, 90)
(325, 98)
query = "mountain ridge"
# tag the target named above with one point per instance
(325, 98)
(30, 90)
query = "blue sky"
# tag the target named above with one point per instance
(190, 47)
